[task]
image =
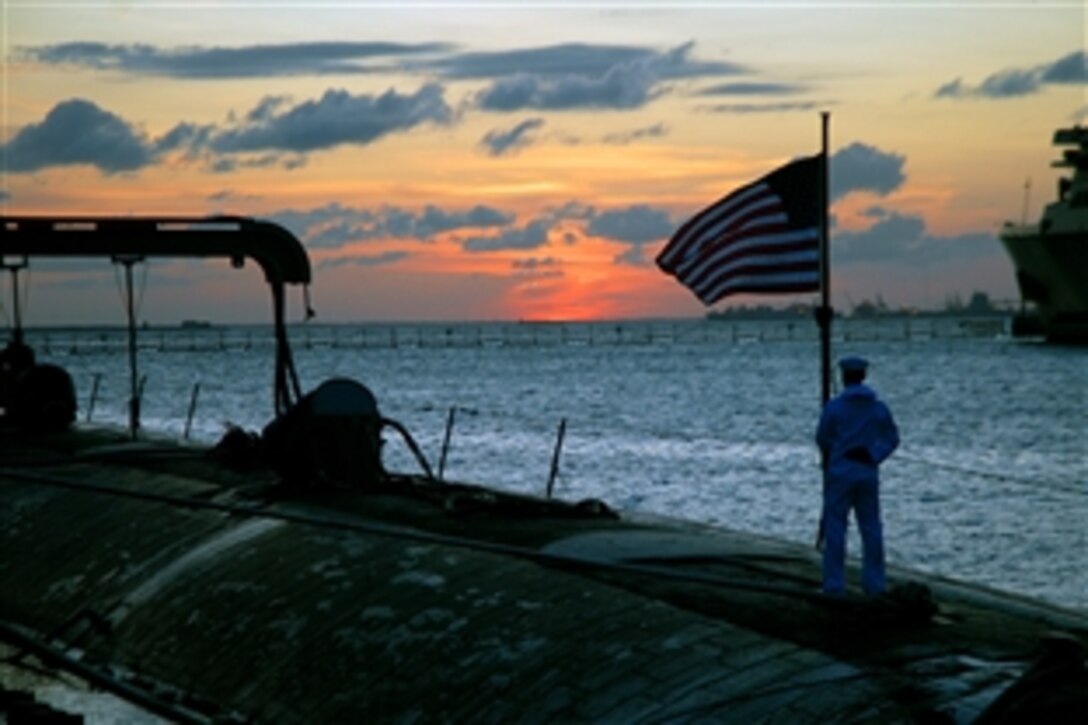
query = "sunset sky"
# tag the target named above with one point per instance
(483, 160)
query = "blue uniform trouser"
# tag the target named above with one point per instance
(863, 496)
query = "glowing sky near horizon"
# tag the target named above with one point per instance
(465, 161)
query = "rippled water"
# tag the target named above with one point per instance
(710, 421)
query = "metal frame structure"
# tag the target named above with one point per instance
(126, 240)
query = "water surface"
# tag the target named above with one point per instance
(702, 420)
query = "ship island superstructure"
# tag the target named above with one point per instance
(1051, 256)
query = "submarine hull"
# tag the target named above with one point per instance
(221, 597)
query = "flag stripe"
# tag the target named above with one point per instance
(779, 238)
(761, 254)
(771, 221)
(772, 234)
(710, 223)
(799, 276)
(761, 286)
(761, 238)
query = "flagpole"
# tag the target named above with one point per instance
(824, 313)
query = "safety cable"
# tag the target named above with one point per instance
(1005, 477)
(410, 441)
(157, 453)
(126, 455)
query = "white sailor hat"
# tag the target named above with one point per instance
(854, 363)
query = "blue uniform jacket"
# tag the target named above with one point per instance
(856, 426)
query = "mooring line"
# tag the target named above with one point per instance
(1006, 477)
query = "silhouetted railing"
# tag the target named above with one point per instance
(78, 341)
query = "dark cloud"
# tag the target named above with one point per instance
(571, 210)
(757, 88)
(859, 167)
(1016, 82)
(638, 224)
(499, 143)
(266, 109)
(625, 137)
(394, 222)
(746, 108)
(556, 77)
(576, 59)
(1008, 84)
(78, 132)
(952, 89)
(5, 195)
(336, 118)
(751, 88)
(254, 61)
(532, 236)
(223, 166)
(624, 87)
(230, 164)
(902, 240)
(229, 195)
(635, 225)
(633, 256)
(304, 223)
(339, 234)
(553, 60)
(364, 260)
(532, 263)
(537, 268)
(890, 237)
(1073, 68)
(432, 221)
(678, 63)
(567, 77)
(333, 226)
(435, 221)
(187, 137)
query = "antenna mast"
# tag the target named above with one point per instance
(1027, 198)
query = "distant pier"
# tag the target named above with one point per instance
(361, 336)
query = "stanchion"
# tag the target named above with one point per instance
(192, 410)
(94, 395)
(555, 456)
(446, 443)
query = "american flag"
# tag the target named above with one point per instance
(762, 238)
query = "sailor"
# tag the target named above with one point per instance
(856, 434)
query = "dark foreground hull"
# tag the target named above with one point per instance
(217, 596)
(1052, 273)
(1051, 257)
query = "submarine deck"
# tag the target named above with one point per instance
(224, 596)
